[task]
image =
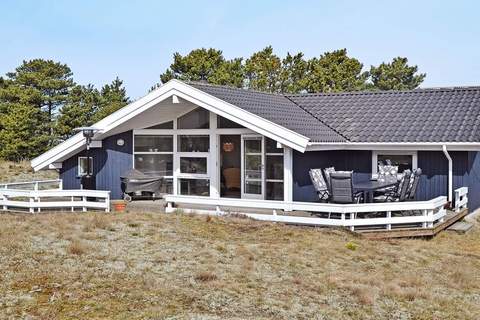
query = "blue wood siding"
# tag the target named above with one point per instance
(109, 162)
(474, 180)
(359, 161)
(434, 181)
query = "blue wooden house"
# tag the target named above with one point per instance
(229, 144)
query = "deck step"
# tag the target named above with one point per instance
(460, 227)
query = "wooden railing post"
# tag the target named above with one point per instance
(352, 217)
(84, 200)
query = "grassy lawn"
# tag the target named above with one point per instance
(156, 266)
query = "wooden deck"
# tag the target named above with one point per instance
(450, 219)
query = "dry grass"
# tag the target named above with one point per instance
(22, 171)
(145, 266)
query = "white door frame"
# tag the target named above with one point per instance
(245, 195)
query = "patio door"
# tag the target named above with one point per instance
(253, 167)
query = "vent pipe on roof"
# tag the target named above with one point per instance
(450, 172)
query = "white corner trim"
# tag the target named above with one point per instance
(189, 93)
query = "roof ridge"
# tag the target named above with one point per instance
(207, 84)
(385, 92)
(321, 121)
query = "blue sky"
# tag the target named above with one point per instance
(135, 40)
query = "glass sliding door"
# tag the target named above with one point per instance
(253, 164)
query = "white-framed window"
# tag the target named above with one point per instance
(403, 159)
(273, 170)
(153, 155)
(84, 166)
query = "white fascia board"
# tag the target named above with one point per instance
(427, 146)
(189, 93)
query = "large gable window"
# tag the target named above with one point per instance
(196, 119)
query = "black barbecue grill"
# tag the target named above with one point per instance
(137, 185)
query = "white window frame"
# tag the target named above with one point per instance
(154, 132)
(375, 154)
(213, 156)
(79, 171)
(280, 152)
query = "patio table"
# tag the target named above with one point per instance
(369, 186)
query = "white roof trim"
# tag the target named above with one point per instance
(452, 146)
(175, 87)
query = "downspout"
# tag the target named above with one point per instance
(450, 172)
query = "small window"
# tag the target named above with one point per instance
(403, 159)
(84, 166)
(165, 125)
(403, 162)
(193, 143)
(225, 123)
(195, 119)
(148, 143)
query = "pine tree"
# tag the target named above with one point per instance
(79, 109)
(396, 75)
(112, 97)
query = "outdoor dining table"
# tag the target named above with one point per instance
(369, 186)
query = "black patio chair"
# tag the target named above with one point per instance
(341, 188)
(326, 173)
(319, 184)
(401, 192)
(411, 193)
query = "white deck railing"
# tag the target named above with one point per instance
(386, 215)
(33, 199)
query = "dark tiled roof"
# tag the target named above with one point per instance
(275, 108)
(422, 115)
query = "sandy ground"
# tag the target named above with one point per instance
(177, 266)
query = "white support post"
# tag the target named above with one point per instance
(218, 211)
(5, 198)
(352, 217)
(60, 184)
(169, 208)
(389, 216)
(35, 186)
(287, 175)
(31, 208)
(430, 218)
(72, 199)
(212, 161)
(84, 200)
(38, 200)
(424, 214)
(107, 202)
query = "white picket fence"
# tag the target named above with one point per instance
(385, 215)
(29, 196)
